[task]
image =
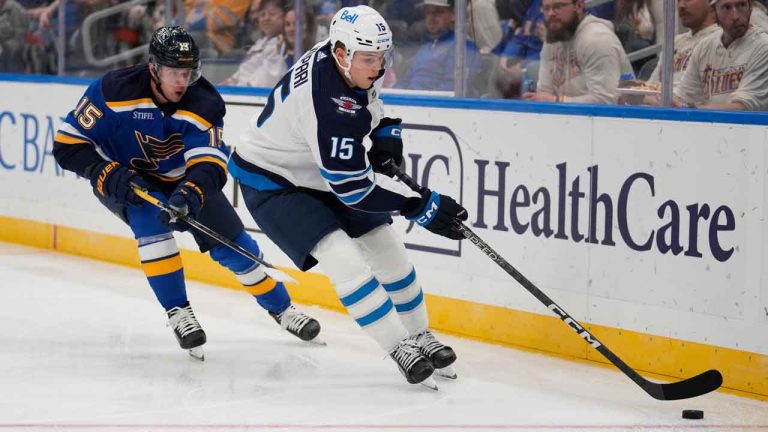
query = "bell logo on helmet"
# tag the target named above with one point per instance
(349, 17)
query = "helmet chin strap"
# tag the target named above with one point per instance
(158, 86)
(348, 66)
(346, 69)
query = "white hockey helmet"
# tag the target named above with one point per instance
(359, 28)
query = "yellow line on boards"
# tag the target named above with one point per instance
(745, 373)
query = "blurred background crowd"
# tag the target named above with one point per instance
(546, 50)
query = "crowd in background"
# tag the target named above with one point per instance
(541, 50)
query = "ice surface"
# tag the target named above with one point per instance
(84, 347)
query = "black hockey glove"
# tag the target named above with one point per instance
(112, 184)
(437, 213)
(186, 200)
(387, 144)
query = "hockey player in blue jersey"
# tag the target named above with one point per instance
(159, 126)
(310, 166)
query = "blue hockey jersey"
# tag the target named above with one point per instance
(118, 119)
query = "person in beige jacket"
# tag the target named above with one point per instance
(729, 69)
(13, 26)
(582, 59)
(699, 17)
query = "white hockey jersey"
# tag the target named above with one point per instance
(313, 133)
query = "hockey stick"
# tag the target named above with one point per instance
(269, 269)
(695, 386)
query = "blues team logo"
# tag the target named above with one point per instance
(156, 150)
(347, 105)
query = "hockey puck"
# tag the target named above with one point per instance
(693, 414)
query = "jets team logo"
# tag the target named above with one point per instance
(347, 104)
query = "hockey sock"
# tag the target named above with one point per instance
(359, 291)
(162, 265)
(270, 294)
(389, 262)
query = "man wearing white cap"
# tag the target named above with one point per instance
(728, 70)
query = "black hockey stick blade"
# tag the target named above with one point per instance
(698, 385)
(688, 388)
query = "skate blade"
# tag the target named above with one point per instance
(317, 341)
(197, 353)
(446, 372)
(429, 383)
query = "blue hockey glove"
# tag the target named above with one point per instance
(437, 213)
(111, 183)
(387, 144)
(186, 200)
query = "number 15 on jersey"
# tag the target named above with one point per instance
(342, 148)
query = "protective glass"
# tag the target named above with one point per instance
(371, 59)
(178, 76)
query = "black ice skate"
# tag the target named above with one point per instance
(298, 324)
(441, 356)
(416, 368)
(187, 330)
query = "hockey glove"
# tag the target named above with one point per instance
(112, 184)
(186, 200)
(437, 213)
(387, 144)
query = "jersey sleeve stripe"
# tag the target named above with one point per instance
(202, 159)
(205, 151)
(347, 187)
(193, 118)
(73, 132)
(66, 139)
(355, 197)
(338, 177)
(129, 105)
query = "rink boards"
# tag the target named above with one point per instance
(645, 225)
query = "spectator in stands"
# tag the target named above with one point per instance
(289, 33)
(39, 50)
(325, 12)
(13, 28)
(519, 56)
(432, 68)
(264, 64)
(582, 59)
(484, 24)
(133, 28)
(217, 19)
(758, 18)
(635, 28)
(729, 70)
(699, 17)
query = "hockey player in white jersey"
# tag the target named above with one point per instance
(310, 166)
